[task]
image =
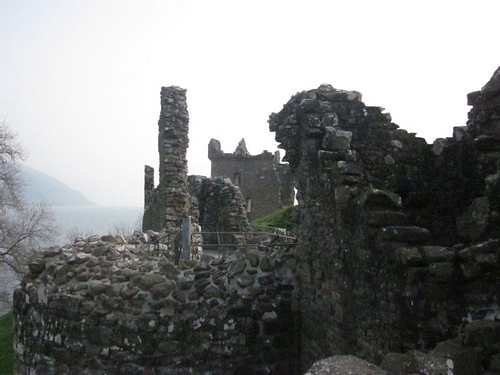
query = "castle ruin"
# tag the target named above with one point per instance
(399, 239)
(167, 204)
(396, 271)
(178, 196)
(266, 184)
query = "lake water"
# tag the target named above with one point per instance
(73, 221)
(90, 220)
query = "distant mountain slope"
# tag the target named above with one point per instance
(43, 188)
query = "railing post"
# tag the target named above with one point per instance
(186, 238)
(218, 244)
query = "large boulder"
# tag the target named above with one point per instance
(344, 364)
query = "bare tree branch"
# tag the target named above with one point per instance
(24, 229)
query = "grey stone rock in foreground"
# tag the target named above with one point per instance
(343, 365)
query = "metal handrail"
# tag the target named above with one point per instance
(288, 242)
(246, 233)
(275, 240)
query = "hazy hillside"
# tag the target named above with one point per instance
(43, 188)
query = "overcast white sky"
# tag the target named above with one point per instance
(80, 79)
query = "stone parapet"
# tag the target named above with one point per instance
(389, 224)
(99, 306)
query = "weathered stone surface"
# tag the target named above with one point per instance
(344, 364)
(222, 208)
(129, 292)
(137, 320)
(253, 258)
(109, 238)
(162, 290)
(476, 251)
(36, 267)
(484, 333)
(236, 268)
(392, 229)
(408, 234)
(265, 265)
(212, 292)
(411, 256)
(146, 281)
(245, 281)
(439, 254)
(97, 287)
(475, 219)
(79, 258)
(431, 364)
(265, 184)
(219, 205)
(385, 218)
(464, 360)
(400, 364)
(166, 205)
(398, 250)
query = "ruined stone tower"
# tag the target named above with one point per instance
(398, 253)
(266, 184)
(166, 205)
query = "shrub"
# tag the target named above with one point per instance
(6, 342)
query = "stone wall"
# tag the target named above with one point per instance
(266, 184)
(107, 305)
(399, 239)
(221, 208)
(398, 254)
(169, 202)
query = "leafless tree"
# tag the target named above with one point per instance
(123, 228)
(75, 232)
(24, 228)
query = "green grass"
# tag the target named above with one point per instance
(6, 340)
(283, 218)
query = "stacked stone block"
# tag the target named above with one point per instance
(106, 305)
(221, 208)
(388, 225)
(266, 184)
(166, 205)
(398, 255)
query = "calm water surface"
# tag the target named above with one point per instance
(89, 220)
(78, 220)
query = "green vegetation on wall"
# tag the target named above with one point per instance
(285, 217)
(6, 341)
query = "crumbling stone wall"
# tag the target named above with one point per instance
(221, 204)
(167, 204)
(394, 253)
(109, 305)
(221, 207)
(398, 253)
(266, 184)
(464, 174)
